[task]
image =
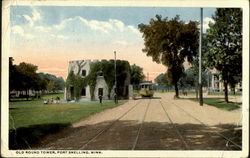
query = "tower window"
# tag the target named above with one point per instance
(100, 91)
(83, 72)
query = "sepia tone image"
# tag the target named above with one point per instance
(125, 78)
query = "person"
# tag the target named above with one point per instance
(45, 102)
(57, 98)
(100, 98)
(115, 97)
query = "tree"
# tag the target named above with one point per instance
(189, 79)
(225, 45)
(137, 74)
(162, 81)
(12, 75)
(171, 42)
(50, 85)
(50, 82)
(27, 77)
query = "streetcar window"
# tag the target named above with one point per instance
(150, 88)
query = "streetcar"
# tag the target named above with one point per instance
(146, 89)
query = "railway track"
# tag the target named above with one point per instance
(176, 129)
(207, 126)
(138, 129)
(108, 127)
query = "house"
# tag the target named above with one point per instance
(82, 68)
(216, 85)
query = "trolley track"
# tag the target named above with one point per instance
(163, 136)
(176, 129)
(99, 135)
(139, 130)
(148, 124)
(208, 127)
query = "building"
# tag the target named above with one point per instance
(216, 85)
(82, 68)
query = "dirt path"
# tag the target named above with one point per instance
(160, 123)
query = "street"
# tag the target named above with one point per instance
(158, 123)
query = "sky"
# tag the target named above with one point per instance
(51, 36)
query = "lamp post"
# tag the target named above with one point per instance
(115, 96)
(200, 46)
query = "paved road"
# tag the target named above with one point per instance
(159, 123)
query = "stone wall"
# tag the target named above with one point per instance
(100, 83)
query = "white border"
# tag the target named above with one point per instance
(158, 3)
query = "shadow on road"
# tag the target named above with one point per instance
(26, 137)
(149, 98)
(153, 136)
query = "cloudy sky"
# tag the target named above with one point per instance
(51, 36)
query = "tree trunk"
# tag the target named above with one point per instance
(27, 94)
(176, 90)
(226, 91)
(197, 88)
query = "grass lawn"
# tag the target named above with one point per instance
(33, 119)
(222, 93)
(219, 103)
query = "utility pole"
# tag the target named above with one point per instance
(115, 96)
(200, 46)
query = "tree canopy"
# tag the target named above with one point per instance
(224, 40)
(161, 79)
(170, 42)
(137, 74)
(23, 77)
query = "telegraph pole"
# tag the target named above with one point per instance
(115, 96)
(200, 46)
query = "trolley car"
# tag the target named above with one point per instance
(146, 89)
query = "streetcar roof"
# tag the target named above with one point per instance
(146, 83)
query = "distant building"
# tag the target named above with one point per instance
(216, 84)
(82, 68)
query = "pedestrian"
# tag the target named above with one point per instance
(100, 98)
(115, 97)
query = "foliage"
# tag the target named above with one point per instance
(162, 80)
(170, 42)
(224, 40)
(108, 74)
(13, 76)
(137, 75)
(26, 75)
(58, 82)
(23, 77)
(77, 82)
(122, 73)
(189, 79)
(107, 68)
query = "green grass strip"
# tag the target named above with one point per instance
(37, 113)
(219, 103)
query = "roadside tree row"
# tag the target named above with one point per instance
(23, 79)
(173, 42)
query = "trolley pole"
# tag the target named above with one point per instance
(115, 96)
(200, 46)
